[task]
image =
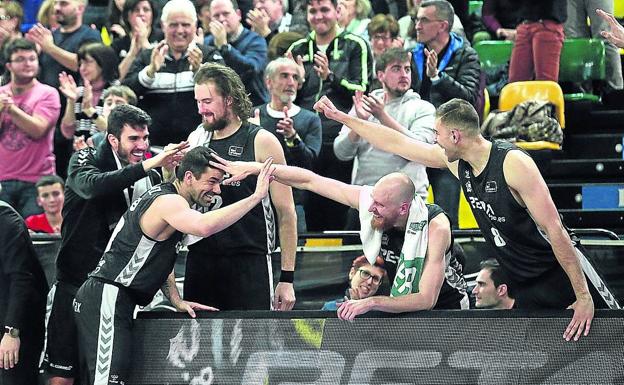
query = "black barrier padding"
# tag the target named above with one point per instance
(441, 348)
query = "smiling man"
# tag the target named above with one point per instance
(413, 238)
(162, 77)
(101, 184)
(231, 270)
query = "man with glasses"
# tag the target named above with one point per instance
(413, 238)
(444, 67)
(364, 281)
(30, 110)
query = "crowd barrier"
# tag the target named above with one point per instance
(485, 347)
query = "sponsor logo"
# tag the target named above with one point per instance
(77, 306)
(491, 187)
(235, 151)
(416, 227)
(468, 187)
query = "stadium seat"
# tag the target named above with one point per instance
(618, 9)
(493, 54)
(518, 92)
(582, 60)
(474, 7)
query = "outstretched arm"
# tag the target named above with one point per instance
(385, 138)
(299, 178)
(431, 280)
(519, 168)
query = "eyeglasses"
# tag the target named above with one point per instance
(381, 37)
(6, 17)
(364, 274)
(20, 60)
(424, 20)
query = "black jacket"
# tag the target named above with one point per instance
(459, 71)
(23, 285)
(94, 202)
(168, 98)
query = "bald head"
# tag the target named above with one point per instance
(398, 186)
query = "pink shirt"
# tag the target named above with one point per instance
(22, 157)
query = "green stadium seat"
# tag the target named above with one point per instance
(474, 7)
(582, 60)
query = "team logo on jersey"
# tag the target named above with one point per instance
(467, 174)
(416, 227)
(491, 187)
(468, 187)
(235, 151)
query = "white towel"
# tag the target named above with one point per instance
(414, 250)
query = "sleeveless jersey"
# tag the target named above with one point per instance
(522, 247)
(254, 233)
(454, 285)
(132, 259)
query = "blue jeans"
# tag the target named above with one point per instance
(21, 195)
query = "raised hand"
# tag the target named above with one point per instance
(237, 170)
(432, 63)
(195, 57)
(300, 66)
(158, 58)
(374, 105)
(259, 21)
(325, 106)
(68, 86)
(199, 36)
(218, 31)
(616, 33)
(166, 157)
(41, 36)
(256, 118)
(358, 104)
(321, 65)
(286, 126)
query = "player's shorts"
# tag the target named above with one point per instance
(60, 357)
(229, 282)
(103, 314)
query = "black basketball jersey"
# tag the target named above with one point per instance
(523, 249)
(254, 233)
(454, 285)
(134, 260)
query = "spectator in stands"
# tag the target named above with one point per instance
(113, 96)
(98, 71)
(615, 34)
(341, 64)
(298, 129)
(138, 16)
(414, 239)
(492, 290)
(115, 24)
(444, 67)
(512, 206)
(50, 197)
(46, 15)
(59, 48)
(23, 288)
(576, 26)
(383, 31)
(364, 281)
(407, 25)
(11, 15)
(242, 49)
(269, 18)
(353, 16)
(100, 187)
(162, 77)
(202, 7)
(539, 39)
(500, 18)
(397, 106)
(30, 110)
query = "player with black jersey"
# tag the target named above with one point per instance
(232, 270)
(420, 265)
(512, 206)
(101, 184)
(140, 256)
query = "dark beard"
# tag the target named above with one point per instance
(218, 125)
